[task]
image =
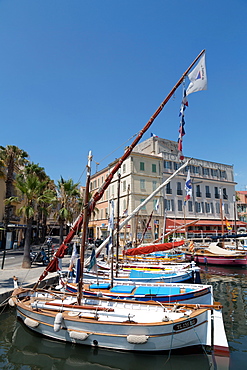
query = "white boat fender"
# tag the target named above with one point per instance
(58, 321)
(78, 336)
(31, 323)
(165, 318)
(137, 339)
(11, 302)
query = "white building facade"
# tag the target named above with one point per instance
(148, 166)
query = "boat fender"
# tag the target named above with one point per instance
(137, 339)
(165, 318)
(58, 321)
(11, 302)
(31, 323)
(78, 336)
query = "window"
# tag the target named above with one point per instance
(217, 207)
(168, 165)
(214, 172)
(207, 206)
(124, 185)
(216, 192)
(198, 191)
(124, 168)
(142, 166)
(154, 168)
(202, 207)
(225, 196)
(154, 185)
(223, 174)
(208, 194)
(142, 184)
(144, 207)
(179, 189)
(226, 208)
(190, 206)
(198, 207)
(212, 207)
(168, 188)
(205, 171)
(180, 205)
(176, 166)
(169, 204)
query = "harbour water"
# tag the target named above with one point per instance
(21, 349)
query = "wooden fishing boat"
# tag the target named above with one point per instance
(145, 265)
(119, 324)
(115, 324)
(145, 276)
(215, 255)
(161, 292)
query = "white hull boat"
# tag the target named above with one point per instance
(114, 324)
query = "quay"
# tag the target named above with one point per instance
(26, 277)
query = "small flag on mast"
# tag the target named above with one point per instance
(157, 205)
(188, 187)
(93, 263)
(198, 77)
(181, 130)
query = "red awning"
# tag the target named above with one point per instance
(172, 224)
(153, 248)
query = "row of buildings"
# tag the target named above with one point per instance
(151, 163)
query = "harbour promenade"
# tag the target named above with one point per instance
(26, 277)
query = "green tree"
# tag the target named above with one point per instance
(68, 203)
(32, 192)
(12, 162)
(45, 202)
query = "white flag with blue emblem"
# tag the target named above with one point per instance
(198, 77)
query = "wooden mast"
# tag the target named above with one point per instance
(117, 223)
(84, 231)
(98, 195)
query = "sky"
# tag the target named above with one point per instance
(81, 75)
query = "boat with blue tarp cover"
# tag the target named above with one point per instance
(169, 293)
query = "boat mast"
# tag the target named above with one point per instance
(117, 223)
(98, 195)
(84, 231)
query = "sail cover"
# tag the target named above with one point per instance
(153, 248)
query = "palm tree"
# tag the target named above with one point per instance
(32, 192)
(45, 202)
(68, 198)
(12, 161)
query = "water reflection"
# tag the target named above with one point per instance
(230, 288)
(19, 347)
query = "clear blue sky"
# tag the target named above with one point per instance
(80, 75)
